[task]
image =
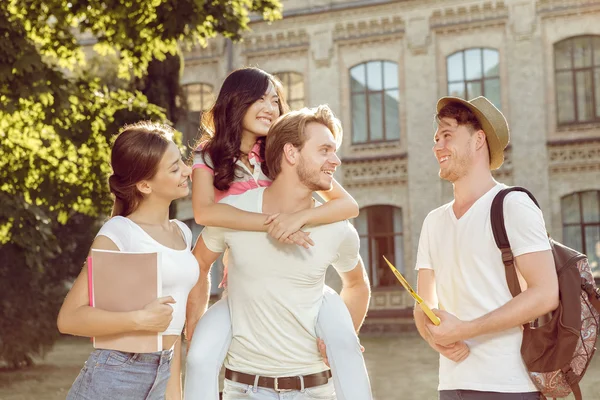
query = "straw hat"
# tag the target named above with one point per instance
(492, 122)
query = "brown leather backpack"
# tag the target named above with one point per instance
(557, 348)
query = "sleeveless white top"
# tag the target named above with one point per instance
(179, 268)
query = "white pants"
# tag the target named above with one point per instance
(240, 391)
(212, 338)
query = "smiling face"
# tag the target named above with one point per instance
(318, 159)
(453, 149)
(171, 179)
(262, 113)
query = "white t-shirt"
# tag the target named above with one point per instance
(276, 290)
(471, 282)
(179, 268)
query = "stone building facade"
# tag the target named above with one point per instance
(381, 65)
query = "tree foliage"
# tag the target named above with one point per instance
(57, 117)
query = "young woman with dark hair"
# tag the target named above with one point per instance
(228, 161)
(148, 174)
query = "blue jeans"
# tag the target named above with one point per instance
(477, 395)
(111, 374)
(212, 338)
(241, 391)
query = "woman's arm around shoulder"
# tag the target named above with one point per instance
(339, 206)
(209, 213)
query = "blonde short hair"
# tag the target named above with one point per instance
(290, 128)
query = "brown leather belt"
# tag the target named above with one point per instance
(282, 384)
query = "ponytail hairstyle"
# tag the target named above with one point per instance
(136, 154)
(222, 124)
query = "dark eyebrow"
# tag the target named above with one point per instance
(442, 131)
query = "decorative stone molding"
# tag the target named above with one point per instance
(214, 49)
(418, 35)
(477, 15)
(374, 171)
(574, 156)
(551, 8)
(361, 30)
(384, 147)
(276, 42)
(322, 47)
(523, 20)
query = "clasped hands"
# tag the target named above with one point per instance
(448, 338)
(285, 228)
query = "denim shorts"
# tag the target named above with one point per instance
(111, 374)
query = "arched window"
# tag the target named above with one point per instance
(474, 72)
(581, 225)
(380, 231)
(198, 98)
(293, 86)
(577, 77)
(375, 102)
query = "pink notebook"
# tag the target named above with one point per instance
(122, 281)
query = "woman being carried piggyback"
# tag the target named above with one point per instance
(228, 161)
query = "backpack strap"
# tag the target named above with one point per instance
(501, 238)
(573, 380)
(592, 292)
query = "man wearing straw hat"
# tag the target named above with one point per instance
(460, 268)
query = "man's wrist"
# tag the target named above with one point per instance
(469, 329)
(305, 216)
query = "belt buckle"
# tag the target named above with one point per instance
(276, 388)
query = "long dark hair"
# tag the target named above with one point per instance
(222, 124)
(136, 154)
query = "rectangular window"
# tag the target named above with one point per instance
(375, 102)
(577, 62)
(474, 72)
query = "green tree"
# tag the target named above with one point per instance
(56, 122)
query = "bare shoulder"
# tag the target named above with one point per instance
(104, 243)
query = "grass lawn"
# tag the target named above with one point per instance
(401, 367)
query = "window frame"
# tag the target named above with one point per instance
(574, 70)
(480, 80)
(187, 136)
(285, 77)
(582, 225)
(372, 234)
(367, 92)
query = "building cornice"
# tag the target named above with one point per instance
(198, 54)
(355, 6)
(367, 29)
(458, 18)
(375, 171)
(561, 8)
(577, 155)
(276, 42)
